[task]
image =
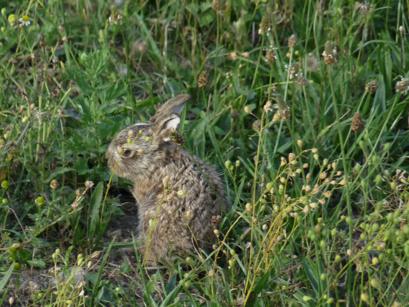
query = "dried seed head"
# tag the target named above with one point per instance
(89, 184)
(307, 188)
(270, 56)
(363, 8)
(301, 80)
(357, 124)
(298, 171)
(202, 79)
(330, 53)
(292, 40)
(283, 113)
(217, 5)
(371, 87)
(323, 175)
(313, 205)
(283, 161)
(256, 125)
(265, 24)
(115, 18)
(402, 86)
(327, 194)
(232, 56)
(248, 109)
(293, 70)
(343, 182)
(245, 54)
(268, 106)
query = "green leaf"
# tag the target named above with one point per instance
(311, 273)
(96, 202)
(261, 284)
(58, 172)
(96, 280)
(170, 297)
(206, 18)
(5, 279)
(37, 263)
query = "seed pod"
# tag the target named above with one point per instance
(357, 124)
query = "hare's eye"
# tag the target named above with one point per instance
(127, 153)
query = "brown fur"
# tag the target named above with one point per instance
(180, 197)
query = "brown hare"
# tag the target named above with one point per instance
(180, 198)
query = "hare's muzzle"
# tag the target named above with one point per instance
(111, 156)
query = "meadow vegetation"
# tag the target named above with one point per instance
(301, 105)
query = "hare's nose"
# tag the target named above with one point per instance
(110, 154)
(107, 154)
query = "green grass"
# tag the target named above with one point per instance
(320, 196)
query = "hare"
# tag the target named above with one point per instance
(180, 198)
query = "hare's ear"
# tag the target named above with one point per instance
(170, 123)
(173, 106)
(166, 128)
(167, 118)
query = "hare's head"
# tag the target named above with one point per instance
(137, 148)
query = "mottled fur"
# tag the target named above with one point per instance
(180, 197)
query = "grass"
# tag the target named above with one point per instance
(302, 106)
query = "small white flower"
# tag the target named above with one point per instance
(24, 21)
